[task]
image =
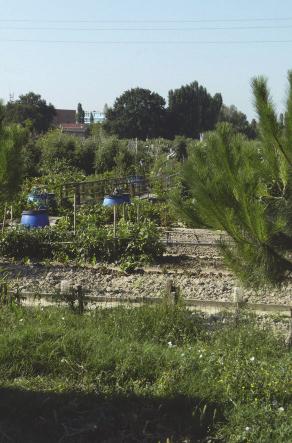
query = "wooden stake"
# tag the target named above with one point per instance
(74, 215)
(11, 215)
(4, 217)
(138, 213)
(288, 340)
(115, 221)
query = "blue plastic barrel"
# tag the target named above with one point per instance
(113, 200)
(39, 199)
(35, 218)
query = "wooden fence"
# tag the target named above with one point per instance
(94, 191)
(104, 301)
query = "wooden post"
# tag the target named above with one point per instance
(115, 221)
(74, 215)
(171, 292)
(138, 212)
(115, 232)
(80, 299)
(237, 297)
(11, 215)
(4, 217)
(288, 340)
(61, 195)
(77, 194)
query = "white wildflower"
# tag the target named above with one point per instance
(21, 320)
(247, 428)
(281, 409)
(252, 358)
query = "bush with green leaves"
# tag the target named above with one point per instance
(161, 213)
(22, 243)
(133, 244)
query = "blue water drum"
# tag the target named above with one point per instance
(113, 200)
(39, 199)
(35, 218)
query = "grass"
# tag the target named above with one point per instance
(146, 374)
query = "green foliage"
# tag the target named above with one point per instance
(106, 154)
(85, 156)
(192, 110)
(56, 146)
(134, 243)
(32, 111)
(136, 113)
(236, 377)
(161, 213)
(12, 139)
(244, 188)
(238, 120)
(29, 243)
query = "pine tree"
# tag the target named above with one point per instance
(245, 189)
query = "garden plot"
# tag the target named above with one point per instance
(197, 271)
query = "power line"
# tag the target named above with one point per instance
(227, 20)
(149, 42)
(230, 28)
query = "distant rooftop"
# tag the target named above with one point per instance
(65, 116)
(78, 129)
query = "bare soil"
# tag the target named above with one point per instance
(197, 270)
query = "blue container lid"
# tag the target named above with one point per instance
(112, 200)
(35, 212)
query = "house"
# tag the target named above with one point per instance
(65, 116)
(76, 129)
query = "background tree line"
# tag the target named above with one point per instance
(191, 111)
(166, 134)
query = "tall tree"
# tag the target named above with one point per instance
(12, 139)
(245, 189)
(238, 120)
(32, 111)
(80, 114)
(192, 110)
(136, 113)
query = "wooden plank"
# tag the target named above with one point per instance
(205, 304)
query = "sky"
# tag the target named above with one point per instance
(92, 51)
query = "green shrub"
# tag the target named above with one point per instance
(161, 213)
(134, 243)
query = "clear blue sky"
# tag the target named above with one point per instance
(96, 73)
